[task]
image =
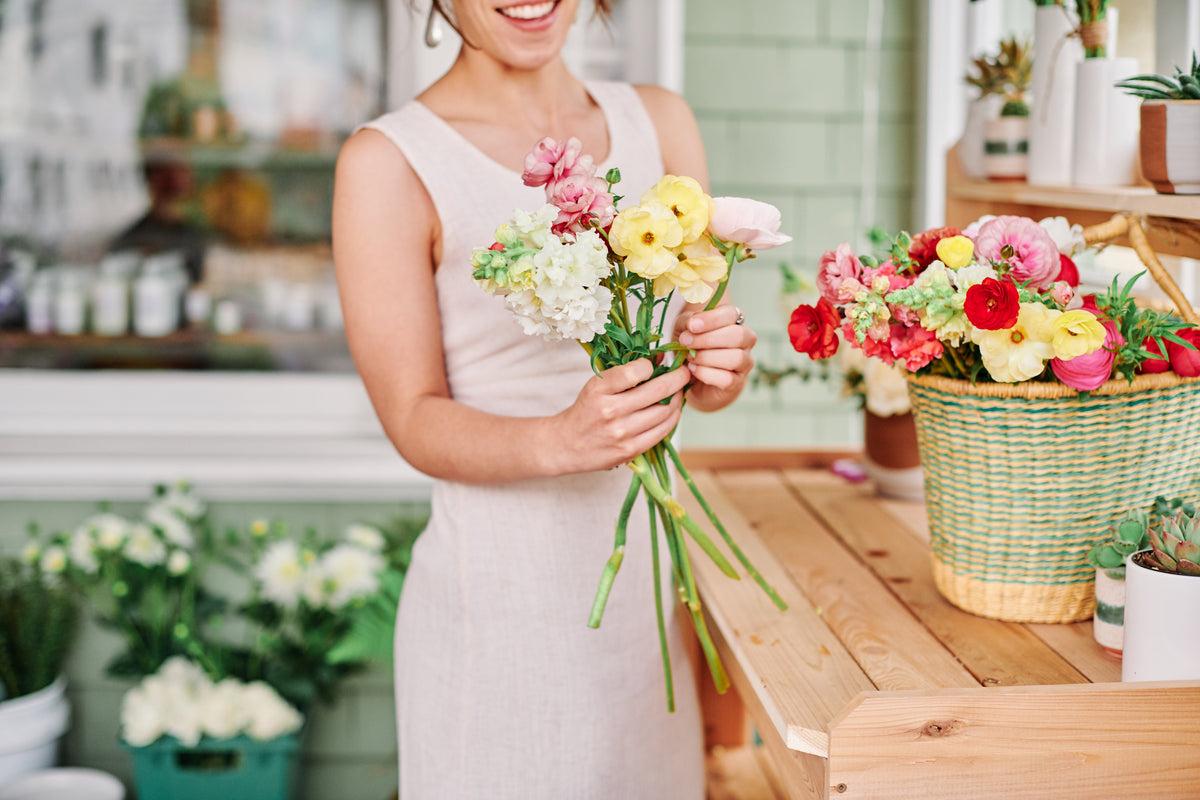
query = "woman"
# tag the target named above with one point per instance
(502, 691)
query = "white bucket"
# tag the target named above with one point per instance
(30, 727)
(72, 783)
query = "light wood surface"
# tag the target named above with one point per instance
(873, 686)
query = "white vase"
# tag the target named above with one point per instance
(970, 146)
(1108, 623)
(1162, 635)
(1105, 149)
(1051, 122)
(30, 727)
(1006, 148)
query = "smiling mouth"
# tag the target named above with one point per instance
(529, 12)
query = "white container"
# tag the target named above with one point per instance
(970, 146)
(1106, 124)
(69, 783)
(70, 304)
(39, 305)
(30, 727)
(1162, 628)
(1006, 149)
(1051, 123)
(197, 306)
(1108, 622)
(227, 317)
(155, 302)
(110, 304)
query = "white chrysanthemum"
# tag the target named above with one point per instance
(83, 550)
(281, 573)
(175, 529)
(110, 530)
(179, 498)
(365, 536)
(566, 299)
(54, 560)
(1067, 238)
(349, 573)
(886, 389)
(971, 275)
(144, 547)
(269, 715)
(224, 713)
(179, 562)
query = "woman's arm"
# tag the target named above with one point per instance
(385, 231)
(722, 361)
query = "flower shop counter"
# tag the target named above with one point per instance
(873, 686)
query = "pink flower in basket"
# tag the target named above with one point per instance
(581, 199)
(1087, 372)
(840, 275)
(551, 161)
(1022, 244)
(914, 346)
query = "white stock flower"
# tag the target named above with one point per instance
(110, 530)
(54, 560)
(365, 536)
(175, 529)
(280, 573)
(269, 715)
(224, 713)
(349, 573)
(179, 562)
(83, 550)
(179, 498)
(565, 298)
(886, 389)
(144, 547)
(167, 702)
(970, 275)
(187, 675)
(142, 712)
(1067, 238)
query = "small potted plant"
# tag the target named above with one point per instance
(986, 78)
(1006, 141)
(1162, 639)
(37, 624)
(1127, 536)
(1170, 132)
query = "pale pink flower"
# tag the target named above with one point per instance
(1029, 251)
(581, 200)
(1063, 293)
(750, 222)
(550, 161)
(1087, 372)
(839, 275)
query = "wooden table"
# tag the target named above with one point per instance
(873, 686)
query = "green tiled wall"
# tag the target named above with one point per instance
(777, 89)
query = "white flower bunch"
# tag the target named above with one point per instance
(552, 284)
(180, 700)
(287, 574)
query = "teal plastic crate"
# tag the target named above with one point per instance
(226, 769)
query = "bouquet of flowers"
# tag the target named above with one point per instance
(998, 301)
(577, 268)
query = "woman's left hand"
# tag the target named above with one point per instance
(722, 361)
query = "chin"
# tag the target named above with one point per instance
(526, 34)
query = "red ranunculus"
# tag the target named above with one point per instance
(1186, 362)
(993, 305)
(1157, 363)
(923, 249)
(1089, 302)
(1067, 271)
(813, 329)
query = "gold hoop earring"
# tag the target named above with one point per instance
(433, 29)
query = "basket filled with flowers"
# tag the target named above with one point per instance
(1041, 414)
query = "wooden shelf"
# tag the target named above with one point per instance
(872, 685)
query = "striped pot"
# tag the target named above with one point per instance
(1108, 622)
(1170, 145)
(1006, 149)
(1021, 480)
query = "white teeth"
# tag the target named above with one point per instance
(530, 11)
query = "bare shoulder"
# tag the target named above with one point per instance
(678, 133)
(373, 176)
(369, 158)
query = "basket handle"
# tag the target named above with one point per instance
(1125, 225)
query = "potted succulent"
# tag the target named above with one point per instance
(37, 624)
(1006, 141)
(1170, 132)
(1127, 536)
(1106, 137)
(1162, 639)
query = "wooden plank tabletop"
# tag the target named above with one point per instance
(870, 659)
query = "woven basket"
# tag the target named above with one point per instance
(1022, 479)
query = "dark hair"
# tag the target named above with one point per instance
(603, 10)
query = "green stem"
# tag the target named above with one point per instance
(730, 257)
(658, 607)
(618, 554)
(716, 522)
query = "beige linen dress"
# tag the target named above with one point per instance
(502, 691)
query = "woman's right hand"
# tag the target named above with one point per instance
(616, 417)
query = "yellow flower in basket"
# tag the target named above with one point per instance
(685, 198)
(644, 235)
(1077, 333)
(1019, 353)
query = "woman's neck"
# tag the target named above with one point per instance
(539, 97)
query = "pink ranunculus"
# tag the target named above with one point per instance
(551, 161)
(580, 200)
(750, 222)
(914, 346)
(839, 275)
(1087, 372)
(1024, 245)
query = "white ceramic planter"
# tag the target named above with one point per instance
(1108, 623)
(30, 727)
(72, 783)
(1162, 632)
(1006, 149)
(1105, 151)
(970, 146)
(1170, 145)
(1052, 121)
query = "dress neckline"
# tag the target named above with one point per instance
(588, 86)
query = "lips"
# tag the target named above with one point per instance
(530, 16)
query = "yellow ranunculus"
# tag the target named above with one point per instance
(1020, 352)
(685, 198)
(956, 252)
(698, 266)
(644, 235)
(1077, 333)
